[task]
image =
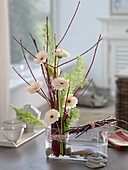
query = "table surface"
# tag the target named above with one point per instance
(31, 156)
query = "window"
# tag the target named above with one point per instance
(26, 16)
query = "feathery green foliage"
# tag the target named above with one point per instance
(27, 117)
(51, 47)
(76, 74)
(51, 40)
(73, 117)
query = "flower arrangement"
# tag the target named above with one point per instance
(61, 87)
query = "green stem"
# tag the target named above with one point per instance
(57, 126)
(61, 119)
(61, 148)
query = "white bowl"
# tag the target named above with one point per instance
(12, 123)
(12, 134)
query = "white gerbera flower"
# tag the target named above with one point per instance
(61, 53)
(51, 116)
(60, 83)
(40, 57)
(34, 87)
(71, 101)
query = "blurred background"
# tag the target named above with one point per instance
(19, 18)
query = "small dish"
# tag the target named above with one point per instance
(12, 134)
(12, 123)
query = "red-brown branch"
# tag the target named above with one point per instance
(93, 58)
(79, 130)
(24, 47)
(34, 42)
(31, 70)
(90, 66)
(80, 54)
(85, 89)
(27, 82)
(47, 33)
(55, 67)
(49, 85)
(46, 81)
(27, 62)
(20, 76)
(69, 25)
(92, 46)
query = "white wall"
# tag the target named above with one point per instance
(4, 60)
(84, 31)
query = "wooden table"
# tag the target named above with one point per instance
(31, 156)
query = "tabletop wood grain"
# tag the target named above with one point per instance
(31, 156)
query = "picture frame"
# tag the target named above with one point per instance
(119, 7)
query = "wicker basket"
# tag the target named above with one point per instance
(122, 101)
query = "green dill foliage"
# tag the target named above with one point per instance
(76, 74)
(51, 47)
(27, 117)
(73, 117)
(51, 40)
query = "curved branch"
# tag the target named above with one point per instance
(81, 54)
(20, 76)
(93, 58)
(85, 89)
(47, 33)
(34, 42)
(27, 62)
(92, 46)
(90, 65)
(69, 25)
(24, 47)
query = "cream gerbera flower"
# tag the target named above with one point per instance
(71, 101)
(60, 83)
(51, 116)
(34, 87)
(40, 57)
(61, 53)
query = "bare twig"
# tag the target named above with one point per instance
(47, 33)
(20, 75)
(85, 89)
(69, 25)
(24, 47)
(89, 67)
(81, 129)
(27, 61)
(80, 54)
(34, 42)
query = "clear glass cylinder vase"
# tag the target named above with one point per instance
(65, 146)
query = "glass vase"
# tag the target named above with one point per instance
(65, 146)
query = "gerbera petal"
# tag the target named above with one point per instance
(51, 116)
(40, 57)
(71, 101)
(34, 87)
(60, 83)
(61, 53)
